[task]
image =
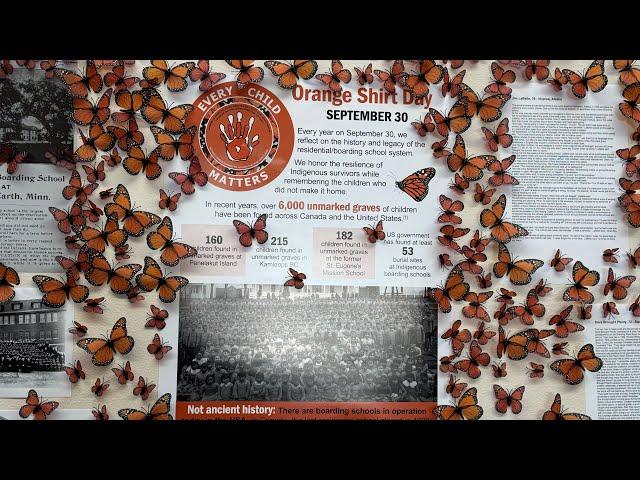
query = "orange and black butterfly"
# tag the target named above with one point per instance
(154, 110)
(506, 296)
(456, 120)
(501, 230)
(629, 73)
(631, 158)
(86, 112)
(78, 329)
(202, 73)
(560, 348)
(71, 242)
(466, 408)
(455, 64)
(536, 341)
(475, 309)
(126, 138)
(157, 319)
(518, 271)
(476, 359)
(395, 76)
(528, 310)
(478, 243)
(535, 370)
(123, 373)
(634, 258)
(99, 388)
(558, 81)
(454, 387)
(102, 349)
(248, 233)
(168, 146)
(562, 326)
(583, 278)
(618, 286)
(559, 262)
(515, 346)
(451, 86)
(138, 161)
(457, 337)
(77, 189)
(49, 68)
(375, 233)
(455, 288)
(572, 369)
(247, 72)
(100, 413)
(428, 73)
(444, 260)
(152, 279)
(56, 292)
(609, 310)
(169, 202)
(6, 69)
(119, 278)
(158, 348)
(536, 68)
(584, 313)
(499, 138)
(130, 104)
(501, 78)
(160, 72)
(39, 409)
(470, 167)
(98, 239)
(93, 212)
(134, 222)
(95, 173)
(143, 389)
(75, 373)
(634, 308)
(80, 84)
(122, 252)
(424, 126)
(98, 140)
(471, 260)
(289, 73)
(484, 281)
(483, 194)
(488, 108)
(446, 364)
(189, 180)
(416, 185)
(163, 239)
(449, 236)
(365, 74)
(94, 305)
(117, 78)
(630, 106)
(593, 79)
(336, 77)
(296, 279)
(449, 209)
(8, 279)
(500, 175)
(133, 295)
(60, 157)
(511, 399)
(556, 412)
(499, 369)
(159, 411)
(481, 335)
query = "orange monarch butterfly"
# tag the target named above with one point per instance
(501, 78)
(154, 110)
(133, 295)
(289, 73)
(159, 411)
(77, 189)
(428, 73)
(511, 399)
(559, 348)
(501, 137)
(102, 349)
(531, 308)
(483, 194)
(634, 308)
(536, 341)
(445, 260)
(138, 161)
(483, 336)
(188, 180)
(609, 310)
(95, 173)
(449, 236)
(169, 202)
(99, 388)
(416, 185)
(506, 296)
(457, 337)
(501, 230)
(247, 72)
(338, 75)
(500, 175)
(93, 212)
(202, 73)
(558, 81)
(296, 279)
(446, 364)
(572, 369)
(123, 252)
(163, 239)
(631, 159)
(562, 326)
(247, 233)
(75, 373)
(158, 348)
(100, 413)
(610, 255)
(630, 106)
(98, 239)
(559, 262)
(449, 209)
(143, 389)
(130, 103)
(173, 76)
(118, 278)
(94, 305)
(466, 408)
(133, 221)
(56, 292)
(618, 286)
(556, 412)
(116, 78)
(475, 308)
(472, 258)
(537, 68)
(365, 74)
(49, 68)
(470, 168)
(456, 120)
(593, 79)
(478, 243)
(583, 278)
(395, 76)
(168, 146)
(98, 139)
(499, 369)
(126, 138)
(455, 288)
(39, 409)
(451, 86)
(476, 359)
(629, 73)
(78, 329)
(152, 279)
(519, 271)
(514, 346)
(375, 233)
(86, 112)
(123, 373)
(80, 84)
(585, 312)
(6, 69)
(487, 108)
(157, 319)
(8, 279)
(484, 281)
(454, 387)
(424, 126)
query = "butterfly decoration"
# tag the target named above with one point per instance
(9, 278)
(99, 139)
(78, 329)
(34, 406)
(609, 310)
(155, 111)
(80, 84)
(478, 243)
(247, 72)
(71, 242)
(444, 260)
(117, 78)
(365, 74)
(449, 236)
(631, 158)
(375, 233)
(562, 326)
(454, 387)
(75, 373)
(558, 81)
(511, 399)
(541, 288)
(456, 120)
(501, 78)
(123, 252)
(424, 126)
(449, 209)
(158, 348)
(536, 341)
(428, 73)
(168, 201)
(143, 389)
(123, 373)
(128, 137)
(416, 185)
(583, 278)
(499, 369)
(476, 359)
(99, 388)
(57, 292)
(560, 262)
(202, 73)
(488, 108)
(593, 79)
(584, 312)
(457, 338)
(249, 233)
(451, 86)
(94, 305)
(536, 68)
(466, 408)
(100, 413)
(93, 212)
(392, 77)
(100, 272)
(174, 77)
(556, 412)
(106, 194)
(501, 230)
(559, 348)
(130, 104)
(296, 279)
(506, 296)
(519, 272)
(481, 335)
(157, 319)
(99, 238)
(77, 189)
(459, 184)
(163, 239)
(627, 70)
(134, 222)
(475, 308)
(471, 260)
(515, 346)
(500, 176)
(152, 279)
(138, 161)
(484, 281)
(630, 105)
(159, 411)
(61, 157)
(634, 308)
(188, 181)
(618, 286)
(500, 138)
(447, 364)
(291, 72)
(86, 112)
(572, 369)
(102, 349)
(6, 69)
(528, 310)
(454, 289)
(133, 295)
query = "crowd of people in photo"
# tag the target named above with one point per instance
(29, 356)
(307, 349)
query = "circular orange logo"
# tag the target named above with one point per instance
(244, 137)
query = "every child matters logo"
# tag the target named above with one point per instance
(244, 137)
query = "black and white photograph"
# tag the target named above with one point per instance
(34, 346)
(318, 344)
(35, 113)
